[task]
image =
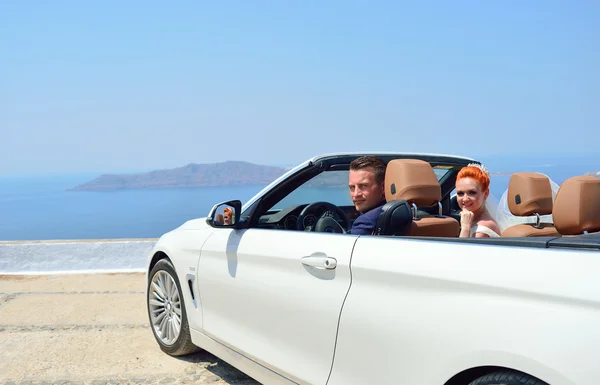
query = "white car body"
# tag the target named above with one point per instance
(393, 310)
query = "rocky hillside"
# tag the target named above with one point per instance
(230, 173)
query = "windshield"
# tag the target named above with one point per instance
(329, 186)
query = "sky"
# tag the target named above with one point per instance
(112, 86)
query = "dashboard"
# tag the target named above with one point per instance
(287, 218)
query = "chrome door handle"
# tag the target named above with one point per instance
(320, 262)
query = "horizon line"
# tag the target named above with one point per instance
(505, 156)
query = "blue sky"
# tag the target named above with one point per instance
(112, 86)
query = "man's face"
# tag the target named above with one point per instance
(364, 191)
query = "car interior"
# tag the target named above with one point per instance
(304, 216)
(419, 202)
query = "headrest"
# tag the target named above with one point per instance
(412, 180)
(529, 193)
(577, 205)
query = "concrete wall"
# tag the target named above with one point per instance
(76, 256)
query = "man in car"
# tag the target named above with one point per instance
(367, 190)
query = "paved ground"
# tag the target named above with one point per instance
(91, 329)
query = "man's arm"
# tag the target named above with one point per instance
(363, 225)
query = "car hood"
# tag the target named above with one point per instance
(194, 224)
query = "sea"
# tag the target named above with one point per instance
(42, 208)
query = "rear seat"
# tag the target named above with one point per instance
(530, 193)
(577, 206)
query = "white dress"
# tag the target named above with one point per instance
(483, 229)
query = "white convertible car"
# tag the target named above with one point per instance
(278, 289)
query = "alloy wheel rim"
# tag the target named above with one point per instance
(165, 307)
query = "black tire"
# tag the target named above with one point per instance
(509, 377)
(182, 345)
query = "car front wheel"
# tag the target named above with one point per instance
(507, 378)
(166, 310)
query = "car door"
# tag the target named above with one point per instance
(269, 295)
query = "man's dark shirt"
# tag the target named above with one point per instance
(366, 222)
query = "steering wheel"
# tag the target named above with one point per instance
(329, 209)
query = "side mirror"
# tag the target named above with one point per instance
(225, 214)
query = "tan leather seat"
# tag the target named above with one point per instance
(414, 181)
(530, 193)
(577, 206)
(219, 219)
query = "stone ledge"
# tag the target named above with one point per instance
(74, 256)
(22, 242)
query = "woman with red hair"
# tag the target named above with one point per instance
(227, 216)
(472, 191)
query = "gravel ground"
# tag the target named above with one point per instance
(91, 329)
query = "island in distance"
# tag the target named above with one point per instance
(229, 173)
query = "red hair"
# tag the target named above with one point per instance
(228, 211)
(475, 173)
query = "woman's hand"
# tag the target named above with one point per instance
(466, 220)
